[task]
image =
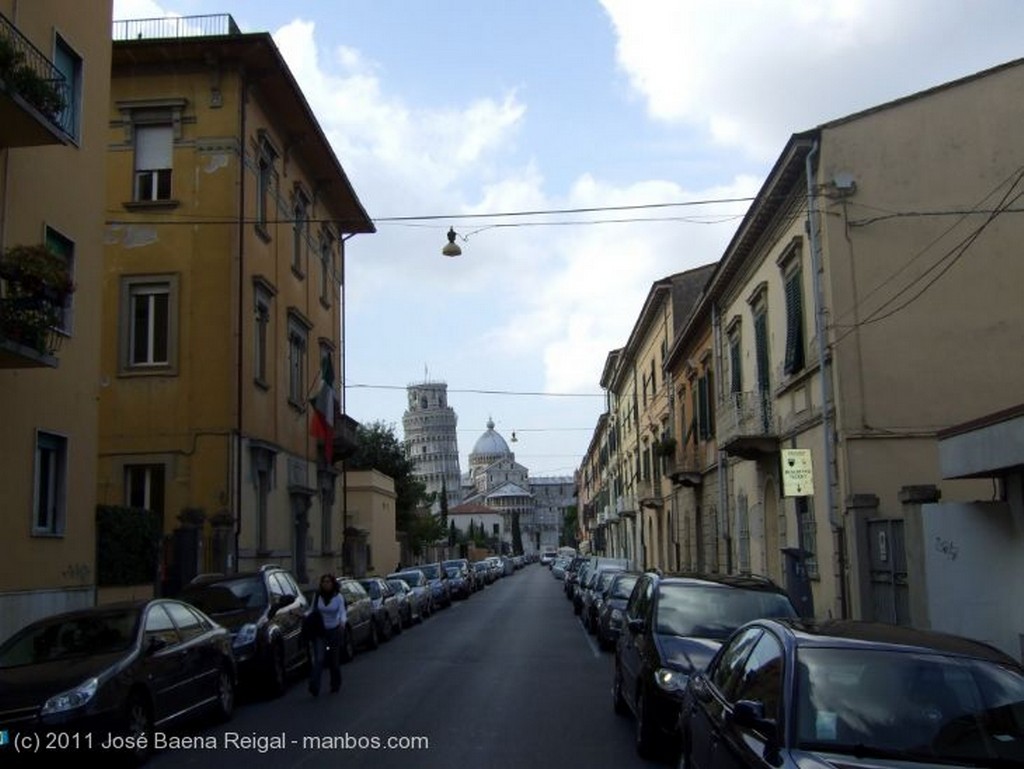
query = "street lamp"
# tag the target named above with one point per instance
(451, 247)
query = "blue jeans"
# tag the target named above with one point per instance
(326, 650)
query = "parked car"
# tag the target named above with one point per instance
(408, 606)
(417, 581)
(571, 572)
(484, 573)
(386, 611)
(673, 626)
(462, 564)
(592, 596)
(842, 693)
(548, 557)
(612, 609)
(263, 609)
(123, 669)
(459, 583)
(440, 589)
(361, 628)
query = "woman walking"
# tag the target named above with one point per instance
(327, 645)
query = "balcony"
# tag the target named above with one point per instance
(747, 425)
(686, 466)
(649, 494)
(625, 506)
(35, 99)
(346, 436)
(34, 290)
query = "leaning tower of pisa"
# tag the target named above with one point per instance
(430, 440)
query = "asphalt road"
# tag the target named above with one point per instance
(507, 678)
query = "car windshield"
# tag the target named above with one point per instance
(398, 586)
(878, 701)
(63, 638)
(431, 570)
(603, 578)
(229, 595)
(623, 586)
(453, 572)
(372, 588)
(714, 612)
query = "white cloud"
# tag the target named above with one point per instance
(752, 72)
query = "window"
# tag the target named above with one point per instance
(743, 533)
(298, 333)
(50, 484)
(794, 362)
(761, 345)
(153, 152)
(159, 627)
(808, 529)
(61, 246)
(266, 154)
(263, 295)
(262, 497)
(144, 487)
(705, 407)
(762, 676)
(326, 268)
(728, 670)
(188, 622)
(149, 324)
(69, 64)
(300, 228)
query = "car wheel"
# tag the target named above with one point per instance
(278, 679)
(138, 724)
(618, 701)
(225, 705)
(645, 737)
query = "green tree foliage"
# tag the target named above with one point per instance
(517, 535)
(127, 545)
(570, 527)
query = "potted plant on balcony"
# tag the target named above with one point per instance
(36, 271)
(36, 284)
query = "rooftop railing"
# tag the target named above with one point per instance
(211, 25)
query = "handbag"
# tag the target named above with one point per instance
(313, 623)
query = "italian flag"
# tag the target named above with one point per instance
(323, 401)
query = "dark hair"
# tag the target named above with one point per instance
(335, 585)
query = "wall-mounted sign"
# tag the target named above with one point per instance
(797, 478)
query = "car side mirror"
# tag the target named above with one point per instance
(749, 714)
(635, 625)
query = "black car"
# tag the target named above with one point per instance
(612, 607)
(591, 601)
(122, 669)
(263, 609)
(673, 626)
(821, 696)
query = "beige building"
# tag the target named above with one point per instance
(642, 424)
(54, 92)
(370, 523)
(223, 299)
(863, 309)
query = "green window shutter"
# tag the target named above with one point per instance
(794, 324)
(735, 370)
(761, 344)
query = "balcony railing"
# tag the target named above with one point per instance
(30, 80)
(747, 425)
(211, 25)
(686, 466)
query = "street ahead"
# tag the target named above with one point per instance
(507, 678)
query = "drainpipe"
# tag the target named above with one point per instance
(722, 469)
(825, 375)
(241, 313)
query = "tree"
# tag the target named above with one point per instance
(378, 448)
(517, 534)
(570, 527)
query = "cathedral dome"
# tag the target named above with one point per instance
(491, 443)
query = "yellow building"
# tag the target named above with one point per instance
(54, 88)
(228, 214)
(370, 523)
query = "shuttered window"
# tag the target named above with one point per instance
(794, 323)
(735, 370)
(761, 344)
(153, 151)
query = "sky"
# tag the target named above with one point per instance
(504, 119)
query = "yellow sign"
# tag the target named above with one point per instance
(797, 478)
